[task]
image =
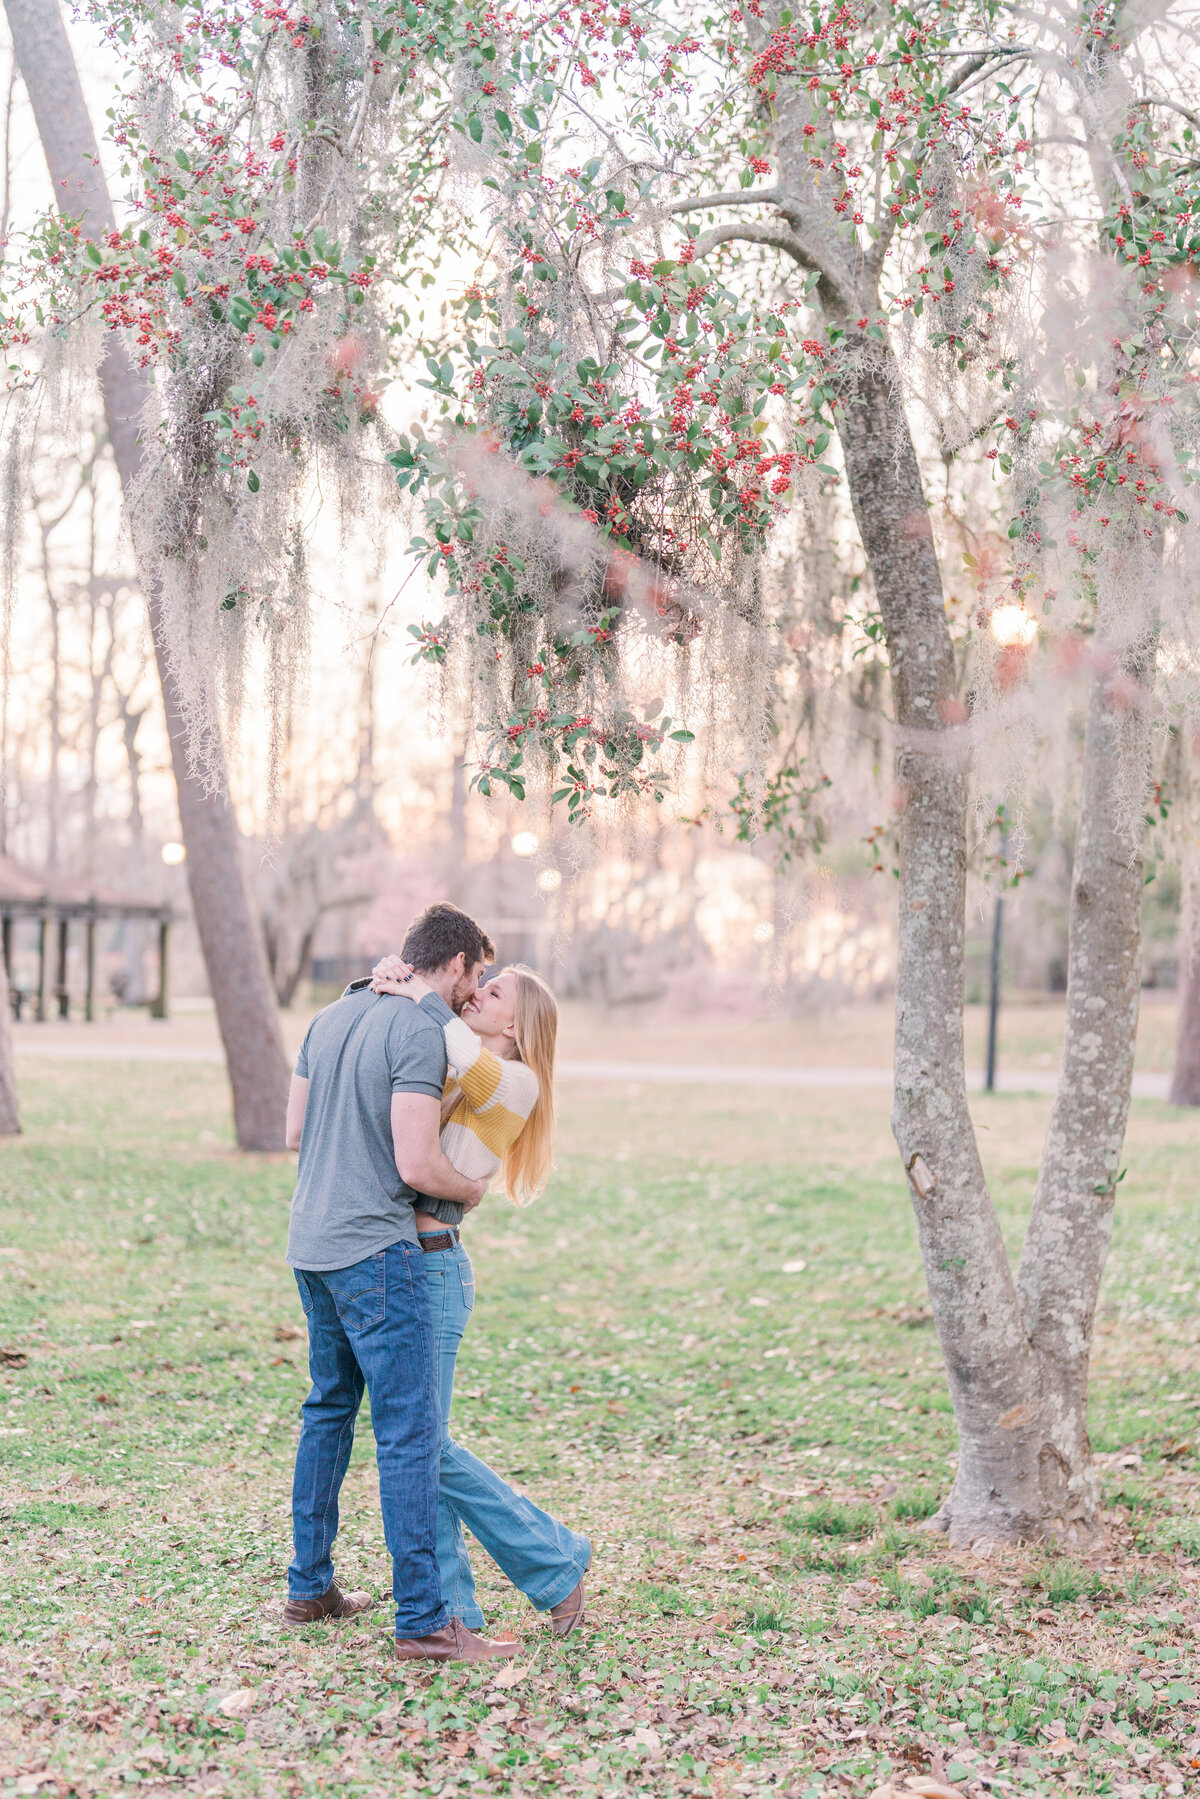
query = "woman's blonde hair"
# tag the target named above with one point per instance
(527, 1162)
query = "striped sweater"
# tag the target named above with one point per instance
(497, 1096)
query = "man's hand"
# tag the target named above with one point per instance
(468, 1205)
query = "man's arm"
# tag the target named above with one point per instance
(297, 1100)
(416, 1122)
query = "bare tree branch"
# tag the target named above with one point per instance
(776, 237)
(1172, 106)
(745, 196)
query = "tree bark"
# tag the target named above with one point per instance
(229, 934)
(990, 1365)
(1185, 1077)
(10, 1107)
(1070, 1230)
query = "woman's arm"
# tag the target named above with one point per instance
(488, 1082)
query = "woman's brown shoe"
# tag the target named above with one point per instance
(455, 1643)
(331, 1604)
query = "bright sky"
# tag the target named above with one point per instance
(354, 585)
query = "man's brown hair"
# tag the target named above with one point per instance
(436, 936)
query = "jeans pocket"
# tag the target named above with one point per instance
(467, 1275)
(305, 1291)
(359, 1294)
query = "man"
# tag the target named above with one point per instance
(364, 1112)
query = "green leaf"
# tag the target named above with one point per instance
(252, 482)
(475, 128)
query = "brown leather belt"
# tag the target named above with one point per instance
(443, 1240)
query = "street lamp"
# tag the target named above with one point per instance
(1014, 629)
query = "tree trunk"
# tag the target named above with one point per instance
(1185, 1077)
(10, 1109)
(229, 935)
(990, 1366)
(54, 703)
(1067, 1242)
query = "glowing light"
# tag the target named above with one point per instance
(549, 881)
(524, 843)
(173, 854)
(1013, 627)
(764, 931)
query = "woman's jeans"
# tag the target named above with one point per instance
(370, 1324)
(540, 1556)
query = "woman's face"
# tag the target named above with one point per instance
(490, 1013)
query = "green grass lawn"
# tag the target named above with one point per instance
(752, 1451)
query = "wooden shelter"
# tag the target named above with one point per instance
(57, 902)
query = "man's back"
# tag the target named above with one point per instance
(350, 1201)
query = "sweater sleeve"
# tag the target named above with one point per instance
(490, 1083)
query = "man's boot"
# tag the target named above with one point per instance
(455, 1643)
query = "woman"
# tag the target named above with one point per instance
(497, 1116)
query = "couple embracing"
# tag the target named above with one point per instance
(410, 1093)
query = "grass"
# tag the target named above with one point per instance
(752, 1452)
(827, 1519)
(917, 1503)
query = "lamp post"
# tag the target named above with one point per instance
(989, 1081)
(1014, 630)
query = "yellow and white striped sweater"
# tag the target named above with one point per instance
(497, 1098)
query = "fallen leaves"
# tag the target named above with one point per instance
(238, 1704)
(510, 1675)
(923, 1785)
(13, 1358)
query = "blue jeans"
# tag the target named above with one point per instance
(539, 1555)
(369, 1325)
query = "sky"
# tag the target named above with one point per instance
(362, 604)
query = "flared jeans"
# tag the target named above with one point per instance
(539, 1555)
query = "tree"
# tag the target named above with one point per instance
(229, 933)
(631, 405)
(898, 140)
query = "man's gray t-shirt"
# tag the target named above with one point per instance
(350, 1201)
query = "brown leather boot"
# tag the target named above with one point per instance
(333, 1604)
(455, 1644)
(568, 1612)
